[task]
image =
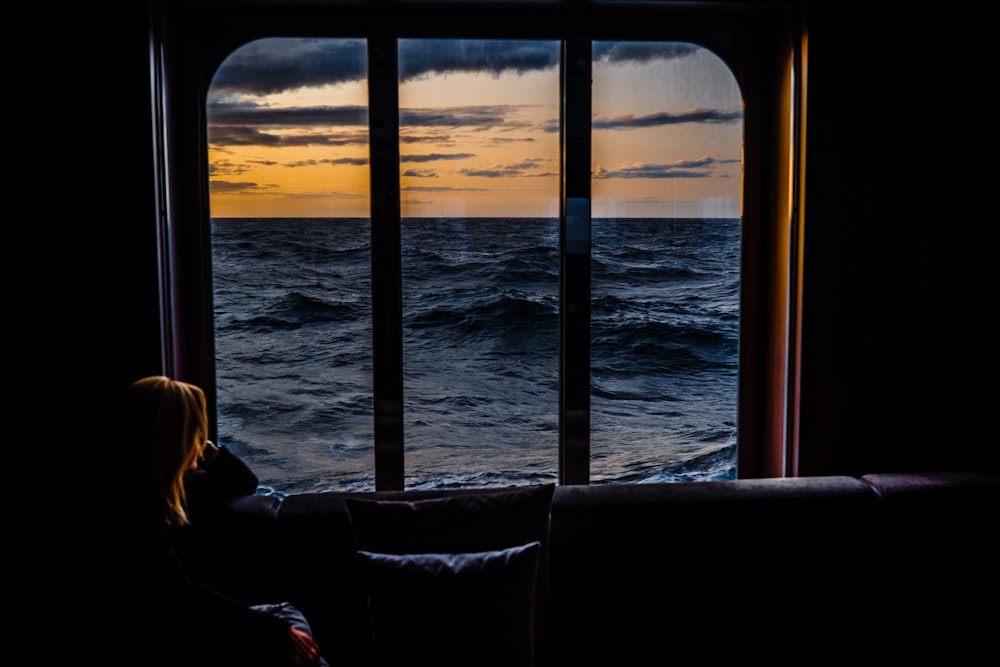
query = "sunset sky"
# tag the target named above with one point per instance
(479, 130)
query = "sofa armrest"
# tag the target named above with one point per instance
(939, 557)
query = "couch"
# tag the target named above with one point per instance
(884, 569)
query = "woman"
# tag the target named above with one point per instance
(156, 434)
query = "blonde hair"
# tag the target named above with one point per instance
(159, 428)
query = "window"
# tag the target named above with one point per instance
(371, 320)
(479, 196)
(667, 136)
(288, 159)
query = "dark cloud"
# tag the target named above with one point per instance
(219, 187)
(701, 168)
(223, 113)
(523, 168)
(246, 124)
(269, 66)
(276, 65)
(419, 173)
(250, 136)
(242, 136)
(641, 52)
(422, 57)
(407, 138)
(350, 161)
(442, 188)
(512, 140)
(661, 118)
(240, 124)
(477, 117)
(434, 157)
(225, 167)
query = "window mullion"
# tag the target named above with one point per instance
(387, 328)
(574, 396)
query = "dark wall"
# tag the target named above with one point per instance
(900, 359)
(899, 363)
(126, 306)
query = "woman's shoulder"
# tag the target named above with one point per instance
(226, 476)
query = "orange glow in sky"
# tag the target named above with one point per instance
(667, 131)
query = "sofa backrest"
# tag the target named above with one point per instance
(791, 569)
(714, 567)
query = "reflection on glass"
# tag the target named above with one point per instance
(479, 172)
(479, 165)
(666, 146)
(288, 158)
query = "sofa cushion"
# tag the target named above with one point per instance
(485, 521)
(488, 520)
(452, 609)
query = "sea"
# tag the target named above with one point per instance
(293, 350)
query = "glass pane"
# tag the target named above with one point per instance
(667, 144)
(288, 159)
(479, 153)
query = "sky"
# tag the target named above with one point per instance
(479, 130)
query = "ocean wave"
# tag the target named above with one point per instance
(481, 360)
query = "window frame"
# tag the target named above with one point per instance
(761, 42)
